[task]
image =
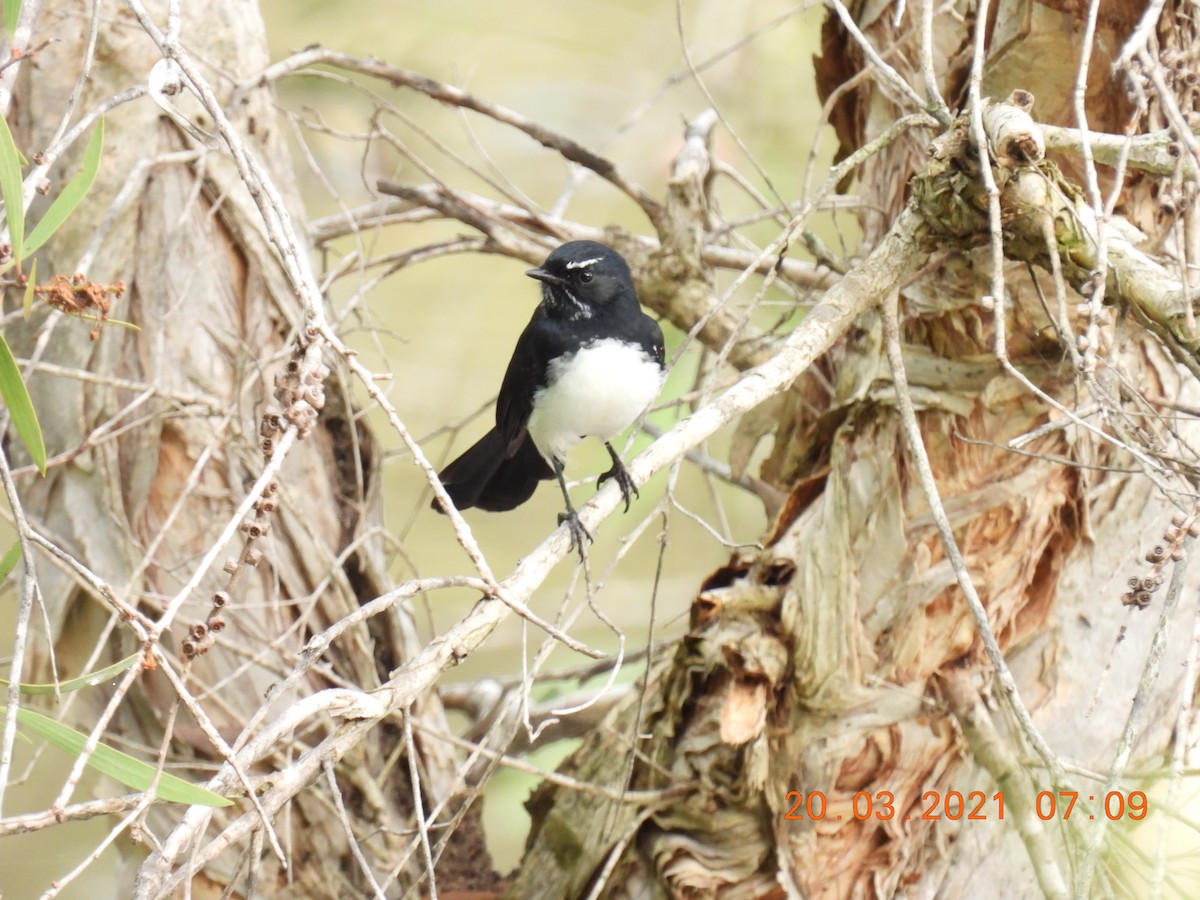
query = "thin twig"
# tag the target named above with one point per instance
(444, 93)
(29, 589)
(888, 76)
(916, 445)
(1180, 740)
(414, 779)
(1138, 710)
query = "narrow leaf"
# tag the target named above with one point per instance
(66, 687)
(16, 397)
(64, 204)
(115, 764)
(9, 562)
(12, 12)
(29, 285)
(10, 190)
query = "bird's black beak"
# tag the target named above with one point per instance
(542, 275)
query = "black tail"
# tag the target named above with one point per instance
(487, 478)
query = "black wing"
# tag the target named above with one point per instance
(525, 374)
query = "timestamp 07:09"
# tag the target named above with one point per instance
(973, 806)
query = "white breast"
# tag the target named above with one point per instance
(596, 392)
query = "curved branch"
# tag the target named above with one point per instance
(452, 96)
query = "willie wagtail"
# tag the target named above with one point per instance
(588, 364)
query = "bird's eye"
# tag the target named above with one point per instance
(585, 276)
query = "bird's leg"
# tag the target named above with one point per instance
(570, 517)
(628, 488)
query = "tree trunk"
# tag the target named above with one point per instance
(158, 434)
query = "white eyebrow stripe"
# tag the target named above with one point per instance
(584, 263)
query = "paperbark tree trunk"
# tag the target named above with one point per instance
(159, 435)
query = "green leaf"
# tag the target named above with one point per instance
(115, 764)
(29, 285)
(12, 12)
(10, 190)
(64, 204)
(9, 562)
(66, 687)
(24, 419)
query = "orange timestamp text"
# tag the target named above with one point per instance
(972, 806)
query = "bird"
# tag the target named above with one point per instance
(588, 364)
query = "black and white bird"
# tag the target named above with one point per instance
(587, 365)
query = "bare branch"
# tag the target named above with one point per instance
(452, 96)
(1156, 153)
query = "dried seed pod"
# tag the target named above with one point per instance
(296, 411)
(231, 566)
(253, 557)
(216, 623)
(198, 631)
(1178, 554)
(189, 650)
(220, 598)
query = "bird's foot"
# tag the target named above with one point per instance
(628, 488)
(578, 532)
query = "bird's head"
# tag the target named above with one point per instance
(581, 278)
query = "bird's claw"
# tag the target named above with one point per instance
(571, 519)
(628, 488)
